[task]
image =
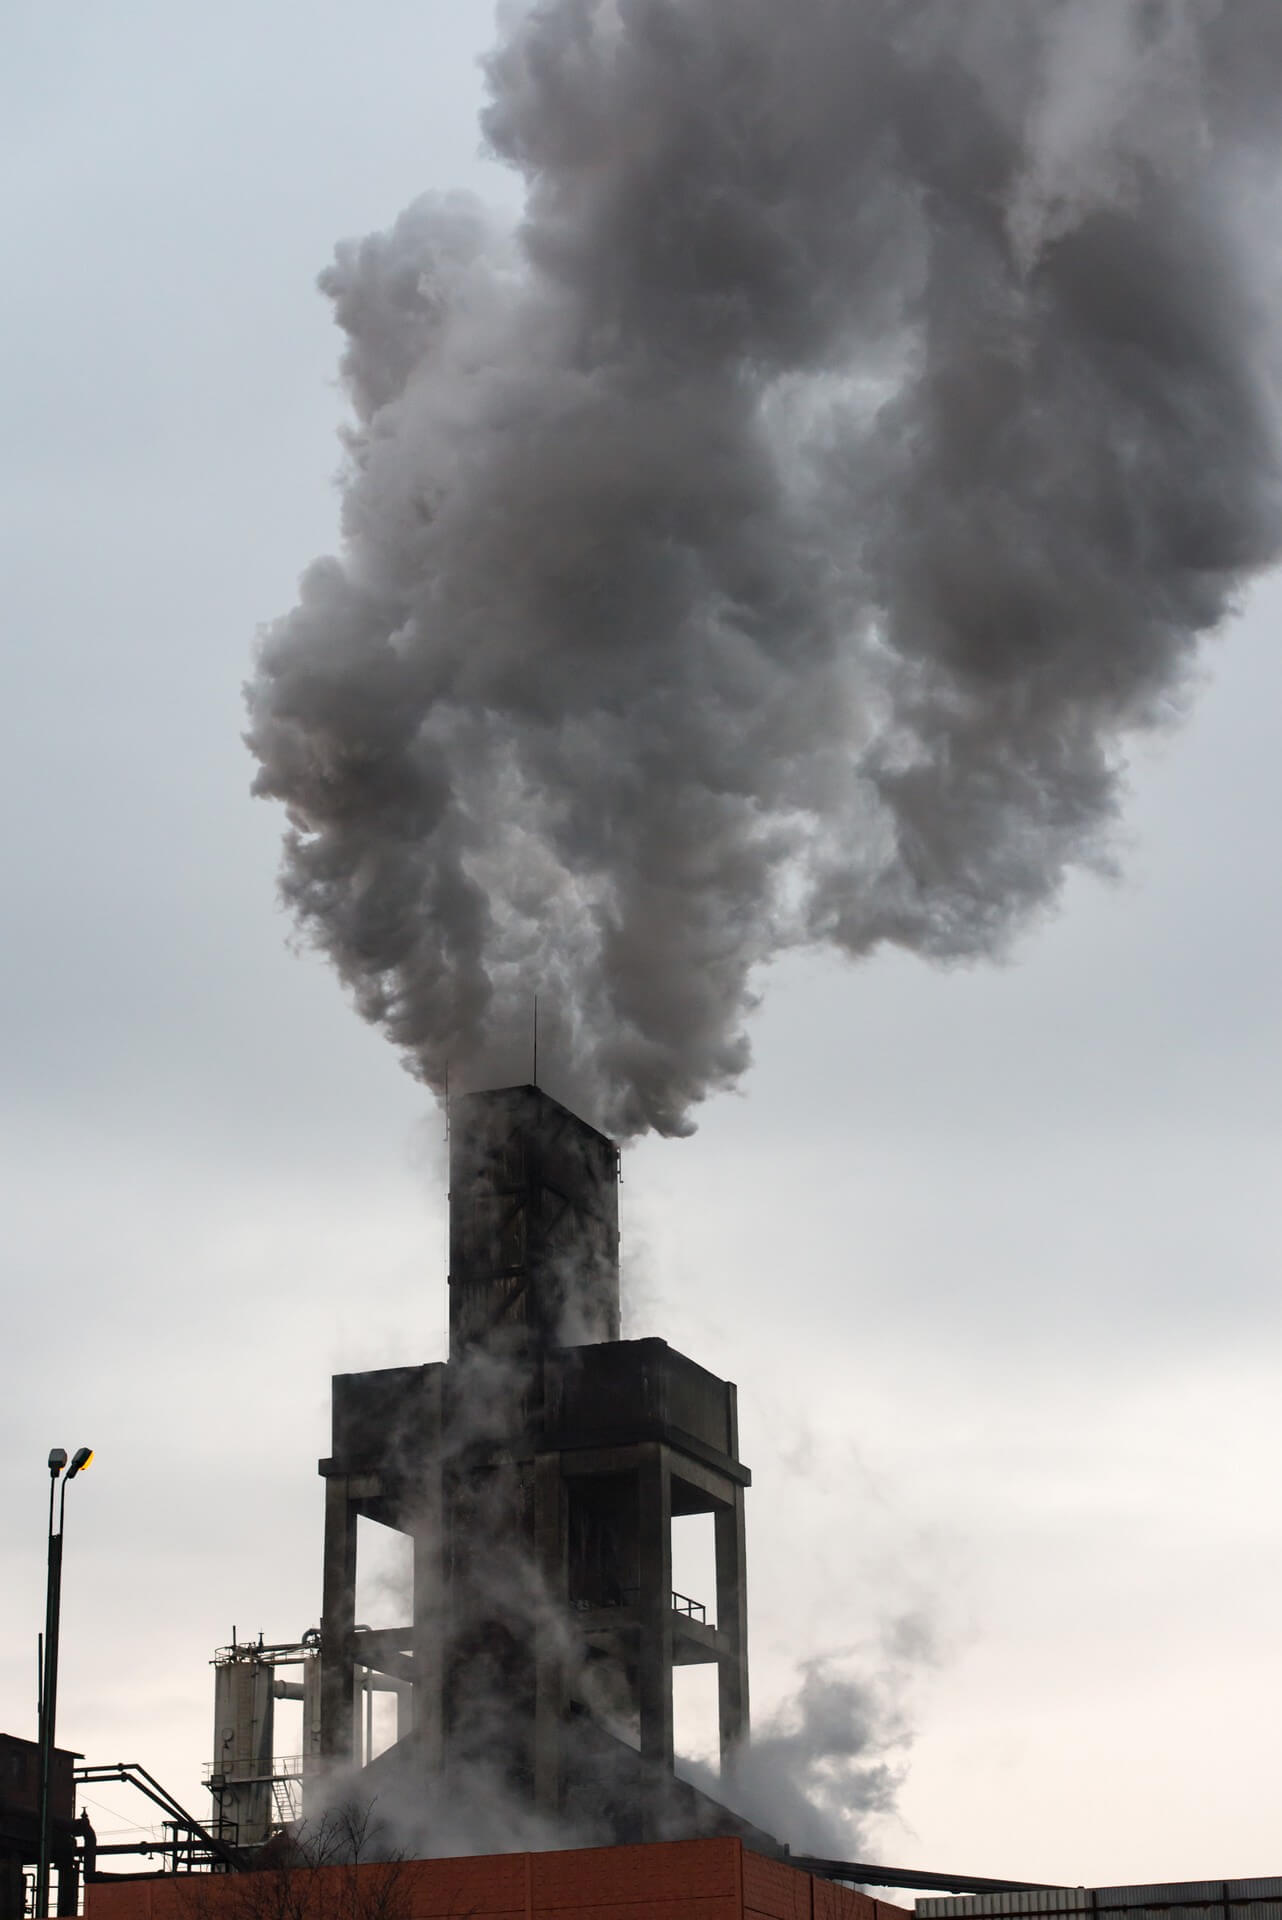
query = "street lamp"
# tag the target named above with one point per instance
(49, 1663)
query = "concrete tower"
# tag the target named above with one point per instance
(537, 1474)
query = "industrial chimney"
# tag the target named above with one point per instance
(537, 1473)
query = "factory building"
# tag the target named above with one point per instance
(712, 1879)
(20, 1824)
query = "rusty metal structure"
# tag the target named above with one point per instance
(20, 1824)
(537, 1473)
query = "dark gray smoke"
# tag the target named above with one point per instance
(775, 540)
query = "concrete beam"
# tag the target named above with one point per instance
(695, 1643)
(385, 1650)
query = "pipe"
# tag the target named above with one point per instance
(49, 1694)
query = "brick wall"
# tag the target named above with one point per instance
(673, 1880)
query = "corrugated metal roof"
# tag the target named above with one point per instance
(1167, 1893)
(1259, 1899)
(1046, 1900)
(1199, 1909)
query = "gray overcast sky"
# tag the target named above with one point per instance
(991, 1253)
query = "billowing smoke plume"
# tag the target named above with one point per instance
(773, 540)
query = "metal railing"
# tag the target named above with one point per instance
(627, 1597)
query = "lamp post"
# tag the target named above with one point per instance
(49, 1665)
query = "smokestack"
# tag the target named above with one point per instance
(537, 1473)
(779, 537)
(534, 1226)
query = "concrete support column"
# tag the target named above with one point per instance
(654, 1604)
(425, 1710)
(338, 1620)
(430, 1617)
(732, 1622)
(550, 1648)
